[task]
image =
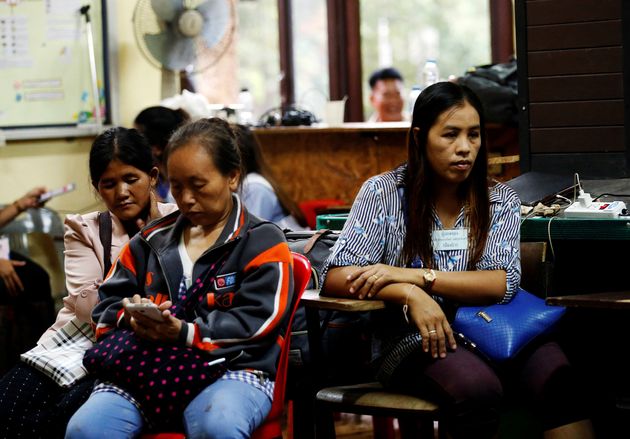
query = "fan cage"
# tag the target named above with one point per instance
(146, 22)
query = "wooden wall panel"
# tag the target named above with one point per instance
(575, 61)
(576, 88)
(572, 102)
(577, 139)
(574, 35)
(571, 11)
(588, 165)
(576, 114)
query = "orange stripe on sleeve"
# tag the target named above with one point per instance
(101, 331)
(278, 253)
(200, 344)
(283, 303)
(159, 298)
(127, 260)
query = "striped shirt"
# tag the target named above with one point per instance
(375, 231)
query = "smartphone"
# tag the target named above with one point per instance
(148, 309)
(55, 192)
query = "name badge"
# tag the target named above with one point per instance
(5, 248)
(453, 239)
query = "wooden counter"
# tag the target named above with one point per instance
(332, 162)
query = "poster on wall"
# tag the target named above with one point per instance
(47, 76)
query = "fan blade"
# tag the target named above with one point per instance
(156, 44)
(216, 14)
(181, 53)
(171, 50)
(167, 10)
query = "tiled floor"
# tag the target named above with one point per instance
(350, 426)
(354, 427)
(358, 427)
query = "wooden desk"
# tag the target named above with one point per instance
(313, 304)
(312, 299)
(610, 300)
(560, 228)
(593, 335)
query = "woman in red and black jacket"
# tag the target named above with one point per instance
(246, 294)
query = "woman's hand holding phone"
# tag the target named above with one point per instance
(151, 321)
(45, 196)
(148, 309)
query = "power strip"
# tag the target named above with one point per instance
(595, 209)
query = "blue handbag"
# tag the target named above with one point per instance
(500, 331)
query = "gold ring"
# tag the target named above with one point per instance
(433, 331)
(375, 277)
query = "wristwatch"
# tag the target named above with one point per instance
(429, 278)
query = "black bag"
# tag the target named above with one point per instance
(497, 88)
(345, 336)
(316, 246)
(163, 378)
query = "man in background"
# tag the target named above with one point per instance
(386, 95)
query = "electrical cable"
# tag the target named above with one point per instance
(553, 253)
(610, 195)
(562, 197)
(529, 215)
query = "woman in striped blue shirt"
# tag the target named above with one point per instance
(430, 235)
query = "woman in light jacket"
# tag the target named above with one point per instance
(122, 172)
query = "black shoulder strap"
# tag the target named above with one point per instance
(105, 234)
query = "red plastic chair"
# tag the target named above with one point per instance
(312, 208)
(272, 426)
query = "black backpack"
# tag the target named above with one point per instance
(497, 88)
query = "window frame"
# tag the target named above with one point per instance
(344, 49)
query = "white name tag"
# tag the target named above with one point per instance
(454, 239)
(4, 247)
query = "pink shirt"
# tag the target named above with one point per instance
(84, 264)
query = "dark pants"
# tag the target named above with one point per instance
(25, 317)
(34, 406)
(472, 393)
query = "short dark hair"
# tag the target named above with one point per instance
(125, 145)
(217, 139)
(382, 74)
(158, 123)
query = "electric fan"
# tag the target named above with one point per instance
(183, 35)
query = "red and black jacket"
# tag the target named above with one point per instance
(246, 307)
